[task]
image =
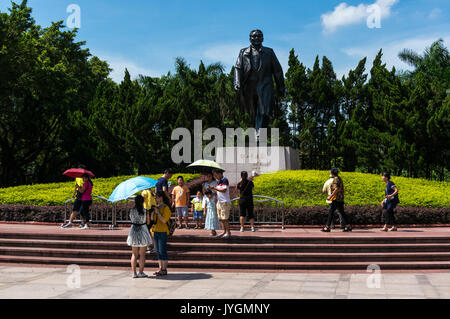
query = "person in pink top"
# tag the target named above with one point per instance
(86, 200)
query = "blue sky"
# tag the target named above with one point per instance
(147, 36)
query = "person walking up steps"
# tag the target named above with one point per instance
(327, 190)
(86, 200)
(139, 237)
(337, 202)
(389, 203)
(77, 202)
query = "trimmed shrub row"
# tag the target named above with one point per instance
(52, 214)
(56, 193)
(304, 188)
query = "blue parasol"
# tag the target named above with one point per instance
(130, 187)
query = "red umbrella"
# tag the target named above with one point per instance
(78, 172)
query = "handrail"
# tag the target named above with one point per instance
(261, 196)
(98, 197)
(258, 199)
(265, 199)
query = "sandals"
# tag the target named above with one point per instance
(160, 273)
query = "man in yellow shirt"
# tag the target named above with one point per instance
(149, 206)
(327, 190)
(149, 200)
(76, 204)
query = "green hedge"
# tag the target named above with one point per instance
(295, 188)
(304, 188)
(312, 216)
(56, 193)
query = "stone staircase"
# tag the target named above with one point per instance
(264, 250)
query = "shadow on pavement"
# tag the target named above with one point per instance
(183, 276)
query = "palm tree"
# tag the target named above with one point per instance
(434, 62)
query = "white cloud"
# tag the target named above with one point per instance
(436, 12)
(118, 64)
(393, 48)
(344, 14)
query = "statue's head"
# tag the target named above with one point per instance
(256, 37)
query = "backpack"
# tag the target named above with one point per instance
(171, 225)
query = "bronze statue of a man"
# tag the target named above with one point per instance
(255, 68)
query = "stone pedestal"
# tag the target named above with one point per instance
(256, 160)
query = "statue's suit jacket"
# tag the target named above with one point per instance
(269, 67)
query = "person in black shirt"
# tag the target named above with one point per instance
(246, 207)
(389, 203)
(163, 184)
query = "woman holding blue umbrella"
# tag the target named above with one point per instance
(139, 237)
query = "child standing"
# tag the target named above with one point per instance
(197, 210)
(139, 237)
(209, 206)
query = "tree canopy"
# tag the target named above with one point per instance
(58, 108)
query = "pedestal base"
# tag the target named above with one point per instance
(256, 160)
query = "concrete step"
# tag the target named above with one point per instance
(300, 249)
(76, 236)
(242, 265)
(232, 247)
(76, 254)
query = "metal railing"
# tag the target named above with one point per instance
(267, 210)
(102, 211)
(121, 211)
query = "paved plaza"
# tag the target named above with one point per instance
(63, 283)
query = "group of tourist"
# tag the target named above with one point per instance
(151, 216)
(150, 220)
(149, 227)
(212, 204)
(334, 188)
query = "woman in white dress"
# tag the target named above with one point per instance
(139, 237)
